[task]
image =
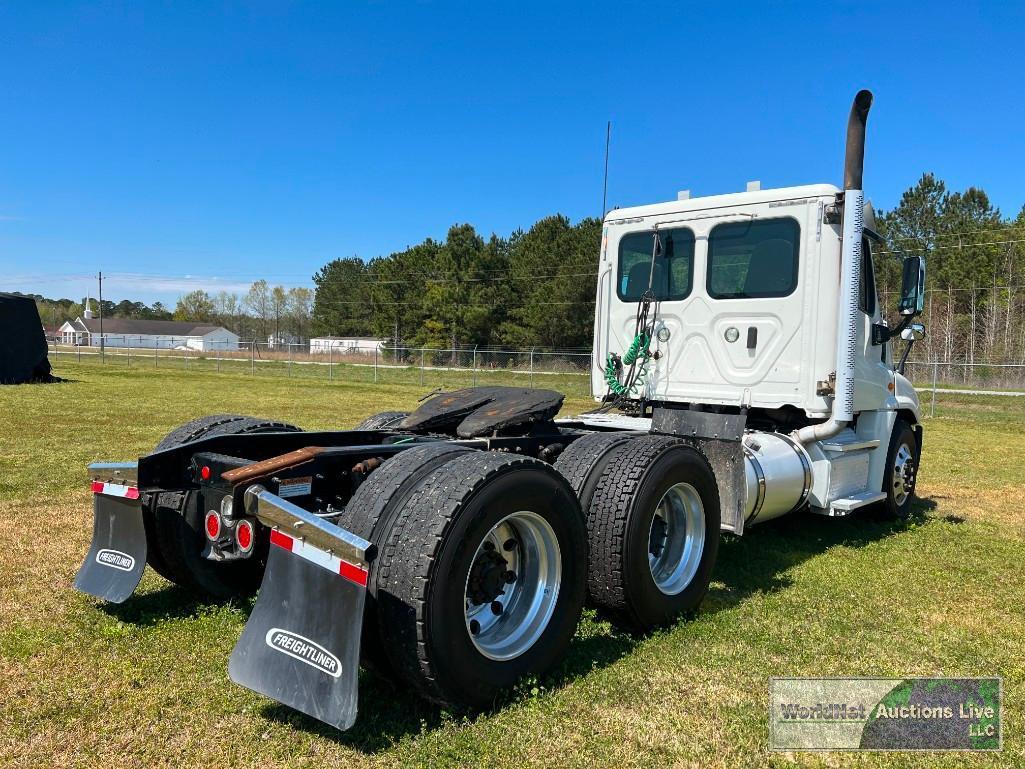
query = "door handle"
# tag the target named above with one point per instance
(752, 337)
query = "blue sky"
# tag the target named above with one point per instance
(188, 145)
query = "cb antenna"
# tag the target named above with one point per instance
(605, 183)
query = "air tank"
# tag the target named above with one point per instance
(778, 473)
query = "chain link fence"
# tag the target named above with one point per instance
(428, 367)
(564, 370)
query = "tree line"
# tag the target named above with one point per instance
(537, 286)
(975, 284)
(534, 288)
(264, 312)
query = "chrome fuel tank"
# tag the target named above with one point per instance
(778, 473)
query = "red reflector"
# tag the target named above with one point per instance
(213, 525)
(244, 535)
(281, 540)
(97, 487)
(204, 473)
(353, 573)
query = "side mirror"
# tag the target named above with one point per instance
(912, 292)
(913, 333)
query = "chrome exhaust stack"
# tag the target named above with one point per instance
(850, 276)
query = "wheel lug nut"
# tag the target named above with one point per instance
(510, 577)
(509, 544)
(474, 626)
(496, 607)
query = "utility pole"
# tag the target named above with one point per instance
(102, 358)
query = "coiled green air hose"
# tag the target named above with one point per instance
(637, 351)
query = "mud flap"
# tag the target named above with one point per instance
(301, 643)
(117, 556)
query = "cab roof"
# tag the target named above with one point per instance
(732, 199)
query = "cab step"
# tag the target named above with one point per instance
(848, 505)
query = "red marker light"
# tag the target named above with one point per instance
(204, 473)
(213, 525)
(244, 536)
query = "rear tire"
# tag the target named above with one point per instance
(901, 472)
(653, 529)
(382, 421)
(371, 513)
(189, 431)
(439, 575)
(178, 526)
(585, 460)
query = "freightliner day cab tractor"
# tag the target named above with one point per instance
(744, 371)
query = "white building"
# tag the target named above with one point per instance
(347, 345)
(150, 334)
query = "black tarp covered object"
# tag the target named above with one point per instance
(22, 342)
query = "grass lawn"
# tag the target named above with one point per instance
(145, 684)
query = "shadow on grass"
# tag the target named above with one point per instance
(755, 563)
(169, 602)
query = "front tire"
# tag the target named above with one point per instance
(901, 474)
(653, 527)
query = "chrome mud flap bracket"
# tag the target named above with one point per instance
(116, 559)
(301, 643)
(719, 438)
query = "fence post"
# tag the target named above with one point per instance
(129, 352)
(421, 366)
(932, 409)
(475, 365)
(376, 348)
(532, 367)
(289, 359)
(330, 361)
(252, 357)
(218, 357)
(78, 346)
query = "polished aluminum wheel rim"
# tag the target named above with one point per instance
(903, 474)
(512, 586)
(676, 538)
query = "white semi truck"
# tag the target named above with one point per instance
(743, 368)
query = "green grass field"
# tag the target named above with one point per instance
(145, 684)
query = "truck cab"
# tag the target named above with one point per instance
(749, 324)
(746, 286)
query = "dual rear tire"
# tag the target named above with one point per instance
(651, 504)
(481, 575)
(173, 521)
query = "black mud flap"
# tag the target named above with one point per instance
(301, 643)
(117, 556)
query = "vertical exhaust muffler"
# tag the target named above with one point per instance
(850, 276)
